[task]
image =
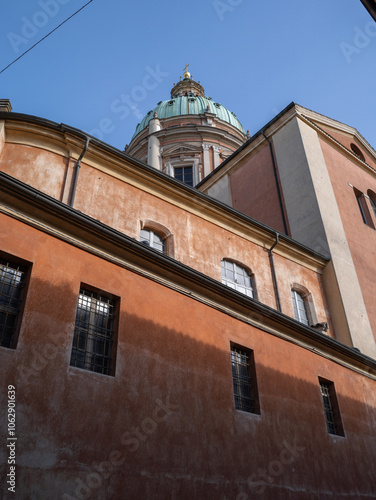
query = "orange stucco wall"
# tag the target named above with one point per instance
(346, 140)
(37, 167)
(361, 237)
(198, 242)
(254, 191)
(165, 425)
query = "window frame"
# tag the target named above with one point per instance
(191, 166)
(150, 241)
(244, 380)
(298, 296)
(332, 414)
(162, 231)
(96, 331)
(363, 208)
(25, 267)
(237, 286)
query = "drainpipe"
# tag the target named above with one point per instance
(274, 276)
(76, 171)
(277, 184)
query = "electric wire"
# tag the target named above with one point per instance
(41, 40)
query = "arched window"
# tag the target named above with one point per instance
(157, 236)
(152, 239)
(237, 277)
(356, 150)
(300, 307)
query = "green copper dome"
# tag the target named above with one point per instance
(189, 105)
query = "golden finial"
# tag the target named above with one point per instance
(186, 73)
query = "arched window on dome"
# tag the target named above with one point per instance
(237, 277)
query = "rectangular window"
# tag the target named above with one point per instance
(184, 174)
(93, 342)
(12, 281)
(244, 380)
(331, 408)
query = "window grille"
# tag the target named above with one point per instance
(12, 280)
(300, 309)
(244, 380)
(237, 277)
(153, 240)
(93, 333)
(331, 408)
(184, 174)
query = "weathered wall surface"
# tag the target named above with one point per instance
(117, 199)
(254, 189)
(361, 238)
(165, 425)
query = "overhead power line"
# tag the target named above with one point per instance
(48, 34)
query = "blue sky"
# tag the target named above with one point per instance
(114, 61)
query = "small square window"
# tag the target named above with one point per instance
(94, 334)
(331, 408)
(244, 380)
(12, 283)
(184, 174)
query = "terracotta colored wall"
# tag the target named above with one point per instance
(361, 238)
(198, 243)
(71, 423)
(347, 140)
(37, 167)
(254, 191)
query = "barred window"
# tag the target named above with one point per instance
(237, 277)
(244, 380)
(300, 307)
(152, 239)
(93, 341)
(331, 408)
(12, 280)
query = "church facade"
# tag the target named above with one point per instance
(172, 328)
